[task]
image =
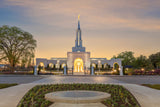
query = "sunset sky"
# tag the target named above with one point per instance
(108, 26)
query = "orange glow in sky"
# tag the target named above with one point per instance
(108, 26)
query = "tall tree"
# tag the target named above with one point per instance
(127, 56)
(16, 45)
(155, 59)
(143, 62)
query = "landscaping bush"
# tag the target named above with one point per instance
(129, 71)
(120, 97)
(140, 72)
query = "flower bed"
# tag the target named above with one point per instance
(120, 97)
(155, 72)
(17, 72)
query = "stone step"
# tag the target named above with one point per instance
(78, 73)
(77, 105)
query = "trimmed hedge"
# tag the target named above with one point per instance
(120, 97)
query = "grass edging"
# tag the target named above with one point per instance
(154, 86)
(6, 85)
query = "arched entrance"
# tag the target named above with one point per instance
(93, 65)
(78, 65)
(41, 67)
(105, 66)
(116, 68)
(63, 65)
(51, 65)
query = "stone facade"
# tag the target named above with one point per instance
(72, 56)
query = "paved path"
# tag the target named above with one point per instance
(78, 79)
(20, 79)
(11, 96)
(147, 97)
(138, 79)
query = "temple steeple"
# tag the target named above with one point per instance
(78, 22)
(78, 42)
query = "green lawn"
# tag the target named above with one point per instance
(155, 86)
(6, 85)
(120, 97)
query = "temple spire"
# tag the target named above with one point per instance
(78, 42)
(78, 17)
(78, 21)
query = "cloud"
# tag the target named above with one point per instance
(108, 26)
(95, 14)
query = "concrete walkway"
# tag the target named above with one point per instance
(78, 79)
(20, 79)
(11, 96)
(147, 97)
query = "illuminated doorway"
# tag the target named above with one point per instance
(116, 68)
(41, 67)
(78, 65)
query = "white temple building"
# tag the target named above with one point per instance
(79, 61)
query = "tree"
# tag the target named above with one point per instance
(127, 56)
(143, 62)
(155, 59)
(16, 45)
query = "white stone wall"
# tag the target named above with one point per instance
(46, 61)
(109, 62)
(43, 60)
(85, 56)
